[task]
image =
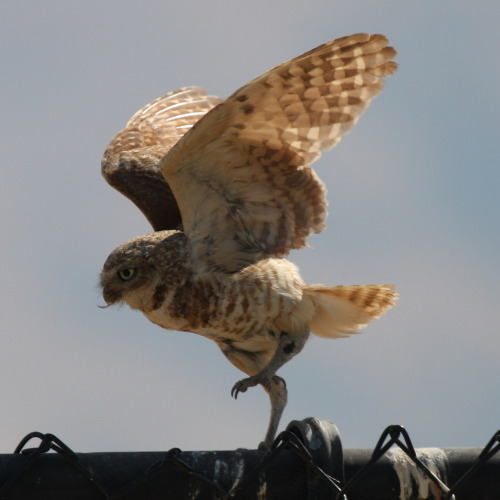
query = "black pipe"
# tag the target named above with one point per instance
(305, 462)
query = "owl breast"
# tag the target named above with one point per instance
(261, 299)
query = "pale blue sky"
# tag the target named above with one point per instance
(414, 201)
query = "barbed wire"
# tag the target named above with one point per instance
(306, 461)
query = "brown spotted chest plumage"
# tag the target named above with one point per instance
(228, 188)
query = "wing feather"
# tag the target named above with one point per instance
(241, 175)
(131, 161)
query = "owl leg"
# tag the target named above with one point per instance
(278, 396)
(287, 348)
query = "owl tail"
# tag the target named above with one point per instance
(342, 310)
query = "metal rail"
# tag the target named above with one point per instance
(305, 462)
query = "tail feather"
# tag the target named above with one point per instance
(343, 310)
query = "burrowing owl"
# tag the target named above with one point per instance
(228, 189)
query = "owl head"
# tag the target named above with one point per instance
(132, 271)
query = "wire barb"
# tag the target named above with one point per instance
(393, 435)
(491, 449)
(49, 442)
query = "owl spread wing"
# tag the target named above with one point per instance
(241, 176)
(131, 161)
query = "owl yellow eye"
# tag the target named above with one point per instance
(126, 274)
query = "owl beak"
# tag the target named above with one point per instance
(110, 296)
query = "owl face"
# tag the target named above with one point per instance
(129, 271)
(133, 271)
(122, 281)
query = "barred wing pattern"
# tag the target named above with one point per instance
(131, 161)
(241, 175)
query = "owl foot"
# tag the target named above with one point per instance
(244, 384)
(275, 386)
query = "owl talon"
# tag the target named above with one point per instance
(246, 383)
(240, 386)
